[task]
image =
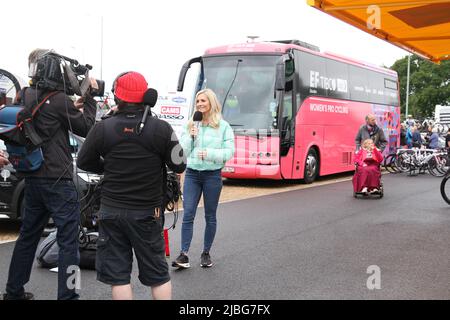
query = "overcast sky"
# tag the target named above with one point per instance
(157, 37)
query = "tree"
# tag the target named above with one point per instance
(429, 85)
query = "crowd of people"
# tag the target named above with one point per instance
(412, 137)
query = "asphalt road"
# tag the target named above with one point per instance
(316, 243)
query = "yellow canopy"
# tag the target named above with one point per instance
(421, 27)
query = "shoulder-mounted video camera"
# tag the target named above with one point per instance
(55, 72)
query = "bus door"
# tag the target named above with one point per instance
(286, 122)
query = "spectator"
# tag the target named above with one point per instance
(416, 138)
(447, 140)
(409, 137)
(131, 212)
(3, 159)
(433, 140)
(410, 121)
(403, 132)
(370, 130)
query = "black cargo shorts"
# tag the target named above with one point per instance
(120, 232)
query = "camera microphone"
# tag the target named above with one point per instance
(150, 98)
(198, 117)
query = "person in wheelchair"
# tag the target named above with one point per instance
(367, 178)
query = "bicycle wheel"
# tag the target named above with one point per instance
(438, 166)
(9, 87)
(403, 162)
(432, 167)
(445, 188)
(388, 163)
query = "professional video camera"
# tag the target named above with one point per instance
(59, 73)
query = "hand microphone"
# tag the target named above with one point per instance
(198, 117)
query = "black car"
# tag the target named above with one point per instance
(12, 186)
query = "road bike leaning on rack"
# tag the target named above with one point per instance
(445, 187)
(434, 161)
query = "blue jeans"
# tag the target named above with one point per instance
(195, 183)
(45, 198)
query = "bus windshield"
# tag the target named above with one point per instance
(244, 86)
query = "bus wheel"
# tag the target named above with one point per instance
(311, 166)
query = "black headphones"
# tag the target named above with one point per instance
(113, 89)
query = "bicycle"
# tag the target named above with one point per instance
(444, 193)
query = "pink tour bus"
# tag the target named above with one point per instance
(295, 111)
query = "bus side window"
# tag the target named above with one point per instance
(290, 68)
(287, 102)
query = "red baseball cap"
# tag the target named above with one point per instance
(131, 87)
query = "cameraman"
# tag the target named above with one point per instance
(130, 216)
(50, 190)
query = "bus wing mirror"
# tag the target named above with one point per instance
(280, 77)
(184, 71)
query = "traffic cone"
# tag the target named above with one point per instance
(166, 240)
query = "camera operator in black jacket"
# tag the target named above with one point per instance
(131, 213)
(50, 190)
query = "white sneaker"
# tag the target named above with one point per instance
(364, 190)
(374, 190)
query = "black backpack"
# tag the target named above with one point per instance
(47, 253)
(88, 248)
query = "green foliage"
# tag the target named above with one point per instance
(429, 85)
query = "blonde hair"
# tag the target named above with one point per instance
(215, 114)
(366, 143)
